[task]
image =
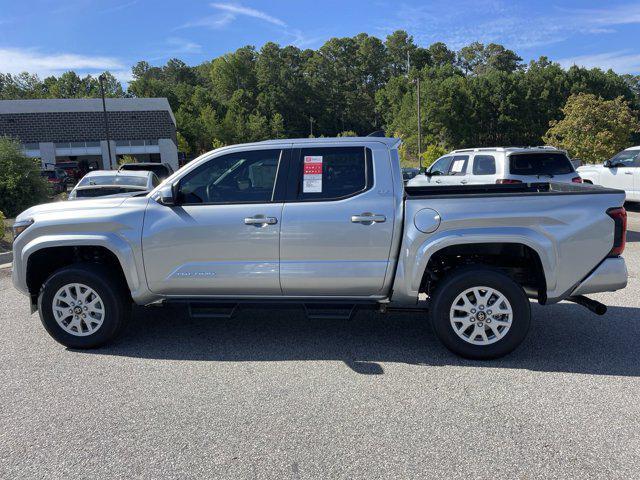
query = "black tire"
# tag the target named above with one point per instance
(116, 303)
(458, 282)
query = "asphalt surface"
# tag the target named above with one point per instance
(273, 395)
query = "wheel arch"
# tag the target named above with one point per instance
(415, 256)
(43, 256)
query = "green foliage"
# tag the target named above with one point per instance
(67, 85)
(126, 159)
(481, 95)
(432, 153)
(348, 133)
(593, 129)
(2, 227)
(183, 145)
(21, 185)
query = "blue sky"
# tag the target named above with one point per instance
(52, 36)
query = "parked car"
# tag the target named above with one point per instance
(409, 172)
(101, 183)
(499, 165)
(57, 178)
(621, 171)
(162, 170)
(77, 169)
(326, 223)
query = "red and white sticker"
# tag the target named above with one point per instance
(312, 175)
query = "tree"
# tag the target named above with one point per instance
(593, 129)
(21, 185)
(124, 159)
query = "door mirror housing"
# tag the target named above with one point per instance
(167, 196)
(608, 164)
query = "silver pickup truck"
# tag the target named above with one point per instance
(328, 224)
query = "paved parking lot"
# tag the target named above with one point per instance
(272, 395)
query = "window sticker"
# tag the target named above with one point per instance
(312, 175)
(457, 166)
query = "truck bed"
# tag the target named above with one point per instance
(501, 190)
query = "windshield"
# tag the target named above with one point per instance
(540, 164)
(102, 191)
(113, 180)
(626, 157)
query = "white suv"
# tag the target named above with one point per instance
(622, 172)
(499, 165)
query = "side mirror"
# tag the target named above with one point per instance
(428, 173)
(607, 164)
(166, 196)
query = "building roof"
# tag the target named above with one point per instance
(49, 105)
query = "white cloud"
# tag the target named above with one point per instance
(214, 22)
(229, 12)
(235, 9)
(119, 7)
(505, 22)
(620, 62)
(18, 60)
(180, 45)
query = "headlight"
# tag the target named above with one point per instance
(21, 226)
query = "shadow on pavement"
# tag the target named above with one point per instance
(563, 338)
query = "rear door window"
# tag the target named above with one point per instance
(484, 165)
(331, 173)
(540, 164)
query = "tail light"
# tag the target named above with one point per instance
(619, 216)
(507, 181)
(576, 180)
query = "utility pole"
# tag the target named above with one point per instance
(101, 79)
(311, 120)
(419, 124)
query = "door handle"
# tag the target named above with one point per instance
(464, 182)
(438, 181)
(368, 218)
(260, 220)
(628, 173)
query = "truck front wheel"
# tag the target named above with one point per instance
(83, 305)
(480, 313)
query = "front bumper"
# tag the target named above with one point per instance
(609, 276)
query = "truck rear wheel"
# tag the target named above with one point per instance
(83, 306)
(480, 313)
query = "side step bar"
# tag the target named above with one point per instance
(314, 310)
(212, 310)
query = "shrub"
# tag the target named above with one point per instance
(21, 185)
(432, 153)
(126, 159)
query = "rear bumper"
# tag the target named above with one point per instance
(609, 276)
